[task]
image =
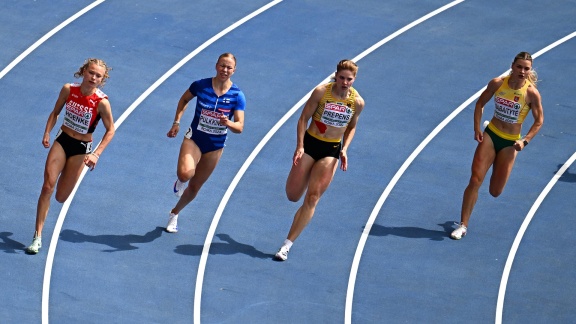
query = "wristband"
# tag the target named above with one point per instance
(525, 143)
(176, 123)
(96, 155)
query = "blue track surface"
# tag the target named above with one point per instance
(113, 262)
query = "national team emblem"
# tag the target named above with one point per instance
(516, 98)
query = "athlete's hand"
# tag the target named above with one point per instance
(343, 161)
(298, 155)
(519, 145)
(224, 120)
(478, 136)
(46, 140)
(90, 160)
(173, 130)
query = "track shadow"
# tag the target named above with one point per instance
(414, 232)
(116, 242)
(9, 245)
(228, 248)
(567, 176)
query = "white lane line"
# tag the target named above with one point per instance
(520, 235)
(119, 121)
(47, 36)
(256, 151)
(374, 214)
(399, 173)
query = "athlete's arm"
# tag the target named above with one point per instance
(235, 126)
(486, 95)
(307, 112)
(53, 117)
(180, 109)
(105, 112)
(535, 102)
(350, 132)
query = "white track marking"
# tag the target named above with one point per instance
(374, 214)
(399, 173)
(47, 36)
(119, 121)
(256, 151)
(520, 234)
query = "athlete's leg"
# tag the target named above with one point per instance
(483, 159)
(69, 176)
(501, 170)
(321, 176)
(298, 177)
(55, 162)
(204, 169)
(188, 159)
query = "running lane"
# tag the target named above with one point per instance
(409, 263)
(242, 283)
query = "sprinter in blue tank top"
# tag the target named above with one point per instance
(219, 108)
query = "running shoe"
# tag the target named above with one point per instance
(35, 246)
(172, 226)
(179, 187)
(459, 232)
(282, 254)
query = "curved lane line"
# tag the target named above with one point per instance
(47, 36)
(399, 173)
(520, 234)
(119, 121)
(528, 219)
(256, 151)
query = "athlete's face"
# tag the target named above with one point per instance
(345, 79)
(225, 67)
(521, 68)
(94, 75)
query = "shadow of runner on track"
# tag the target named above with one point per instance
(567, 176)
(117, 242)
(230, 247)
(9, 245)
(414, 232)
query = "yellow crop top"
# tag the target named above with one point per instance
(511, 106)
(334, 112)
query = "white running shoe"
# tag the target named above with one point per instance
(179, 187)
(282, 254)
(459, 232)
(172, 226)
(35, 246)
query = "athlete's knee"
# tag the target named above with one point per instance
(47, 189)
(495, 192)
(293, 195)
(475, 182)
(185, 175)
(312, 198)
(61, 197)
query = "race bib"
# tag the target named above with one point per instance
(506, 110)
(336, 115)
(210, 123)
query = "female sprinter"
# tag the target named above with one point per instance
(514, 95)
(334, 108)
(85, 105)
(219, 106)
